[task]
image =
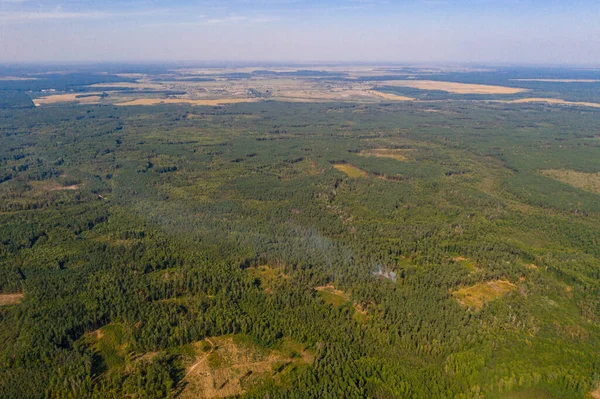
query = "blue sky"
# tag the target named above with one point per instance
(411, 31)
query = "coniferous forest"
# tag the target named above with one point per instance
(441, 249)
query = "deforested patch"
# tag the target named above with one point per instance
(583, 180)
(479, 294)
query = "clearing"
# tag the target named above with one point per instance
(453, 87)
(110, 344)
(51, 185)
(334, 297)
(10, 299)
(397, 154)
(595, 394)
(480, 294)
(231, 365)
(350, 170)
(466, 263)
(585, 181)
(269, 277)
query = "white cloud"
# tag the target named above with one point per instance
(237, 19)
(58, 14)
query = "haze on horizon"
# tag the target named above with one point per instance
(476, 31)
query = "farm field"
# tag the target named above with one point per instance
(453, 87)
(300, 231)
(218, 86)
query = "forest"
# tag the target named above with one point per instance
(440, 249)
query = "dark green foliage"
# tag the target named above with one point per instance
(14, 99)
(131, 231)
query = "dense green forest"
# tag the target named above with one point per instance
(148, 225)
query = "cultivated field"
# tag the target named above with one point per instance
(88, 98)
(453, 87)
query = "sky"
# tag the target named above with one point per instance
(542, 32)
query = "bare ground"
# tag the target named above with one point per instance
(10, 299)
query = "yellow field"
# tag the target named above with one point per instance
(63, 98)
(549, 101)
(229, 366)
(156, 101)
(582, 180)
(453, 87)
(397, 154)
(480, 294)
(10, 299)
(350, 170)
(389, 96)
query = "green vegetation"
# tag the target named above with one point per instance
(136, 233)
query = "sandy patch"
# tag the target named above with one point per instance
(478, 295)
(453, 87)
(227, 367)
(10, 299)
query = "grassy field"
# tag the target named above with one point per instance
(350, 170)
(479, 294)
(397, 154)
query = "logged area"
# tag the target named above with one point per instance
(292, 232)
(479, 294)
(582, 180)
